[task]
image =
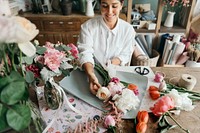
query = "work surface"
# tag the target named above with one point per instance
(189, 120)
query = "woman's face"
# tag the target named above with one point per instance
(110, 10)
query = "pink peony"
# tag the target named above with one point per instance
(164, 104)
(53, 58)
(109, 121)
(74, 50)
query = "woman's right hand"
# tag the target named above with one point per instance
(94, 83)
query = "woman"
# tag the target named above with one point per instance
(107, 38)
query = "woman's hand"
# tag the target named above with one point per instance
(93, 81)
(94, 84)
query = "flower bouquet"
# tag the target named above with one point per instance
(171, 5)
(50, 60)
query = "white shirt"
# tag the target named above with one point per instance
(96, 39)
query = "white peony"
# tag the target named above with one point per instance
(181, 100)
(126, 101)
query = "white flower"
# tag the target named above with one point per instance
(103, 93)
(126, 101)
(162, 86)
(115, 88)
(181, 100)
(18, 30)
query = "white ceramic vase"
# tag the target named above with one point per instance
(190, 63)
(170, 19)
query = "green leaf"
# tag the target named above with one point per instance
(28, 60)
(66, 72)
(40, 50)
(29, 77)
(15, 76)
(66, 48)
(4, 81)
(13, 92)
(3, 120)
(19, 117)
(164, 125)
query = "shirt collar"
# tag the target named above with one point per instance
(113, 31)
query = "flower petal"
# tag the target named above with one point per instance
(27, 48)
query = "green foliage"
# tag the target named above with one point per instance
(19, 117)
(13, 113)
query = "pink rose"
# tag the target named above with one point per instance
(74, 50)
(109, 121)
(164, 104)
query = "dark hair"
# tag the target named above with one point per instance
(118, 0)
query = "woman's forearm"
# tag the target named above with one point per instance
(88, 67)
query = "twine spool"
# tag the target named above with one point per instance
(187, 81)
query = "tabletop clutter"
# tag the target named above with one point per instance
(178, 50)
(160, 97)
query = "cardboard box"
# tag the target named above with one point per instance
(151, 26)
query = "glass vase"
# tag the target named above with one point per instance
(52, 96)
(169, 22)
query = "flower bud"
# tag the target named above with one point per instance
(141, 127)
(109, 121)
(154, 94)
(143, 116)
(162, 86)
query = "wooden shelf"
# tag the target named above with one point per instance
(174, 29)
(143, 30)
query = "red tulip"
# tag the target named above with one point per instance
(143, 116)
(153, 88)
(154, 94)
(141, 127)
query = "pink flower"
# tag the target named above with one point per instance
(53, 58)
(164, 104)
(115, 80)
(74, 50)
(159, 76)
(109, 121)
(115, 88)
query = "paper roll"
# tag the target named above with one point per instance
(178, 51)
(187, 81)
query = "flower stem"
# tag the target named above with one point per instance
(20, 54)
(6, 62)
(186, 130)
(13, 62)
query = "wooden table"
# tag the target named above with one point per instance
(189, 120)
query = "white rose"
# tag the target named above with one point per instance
(103, 93)
(18, 30)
